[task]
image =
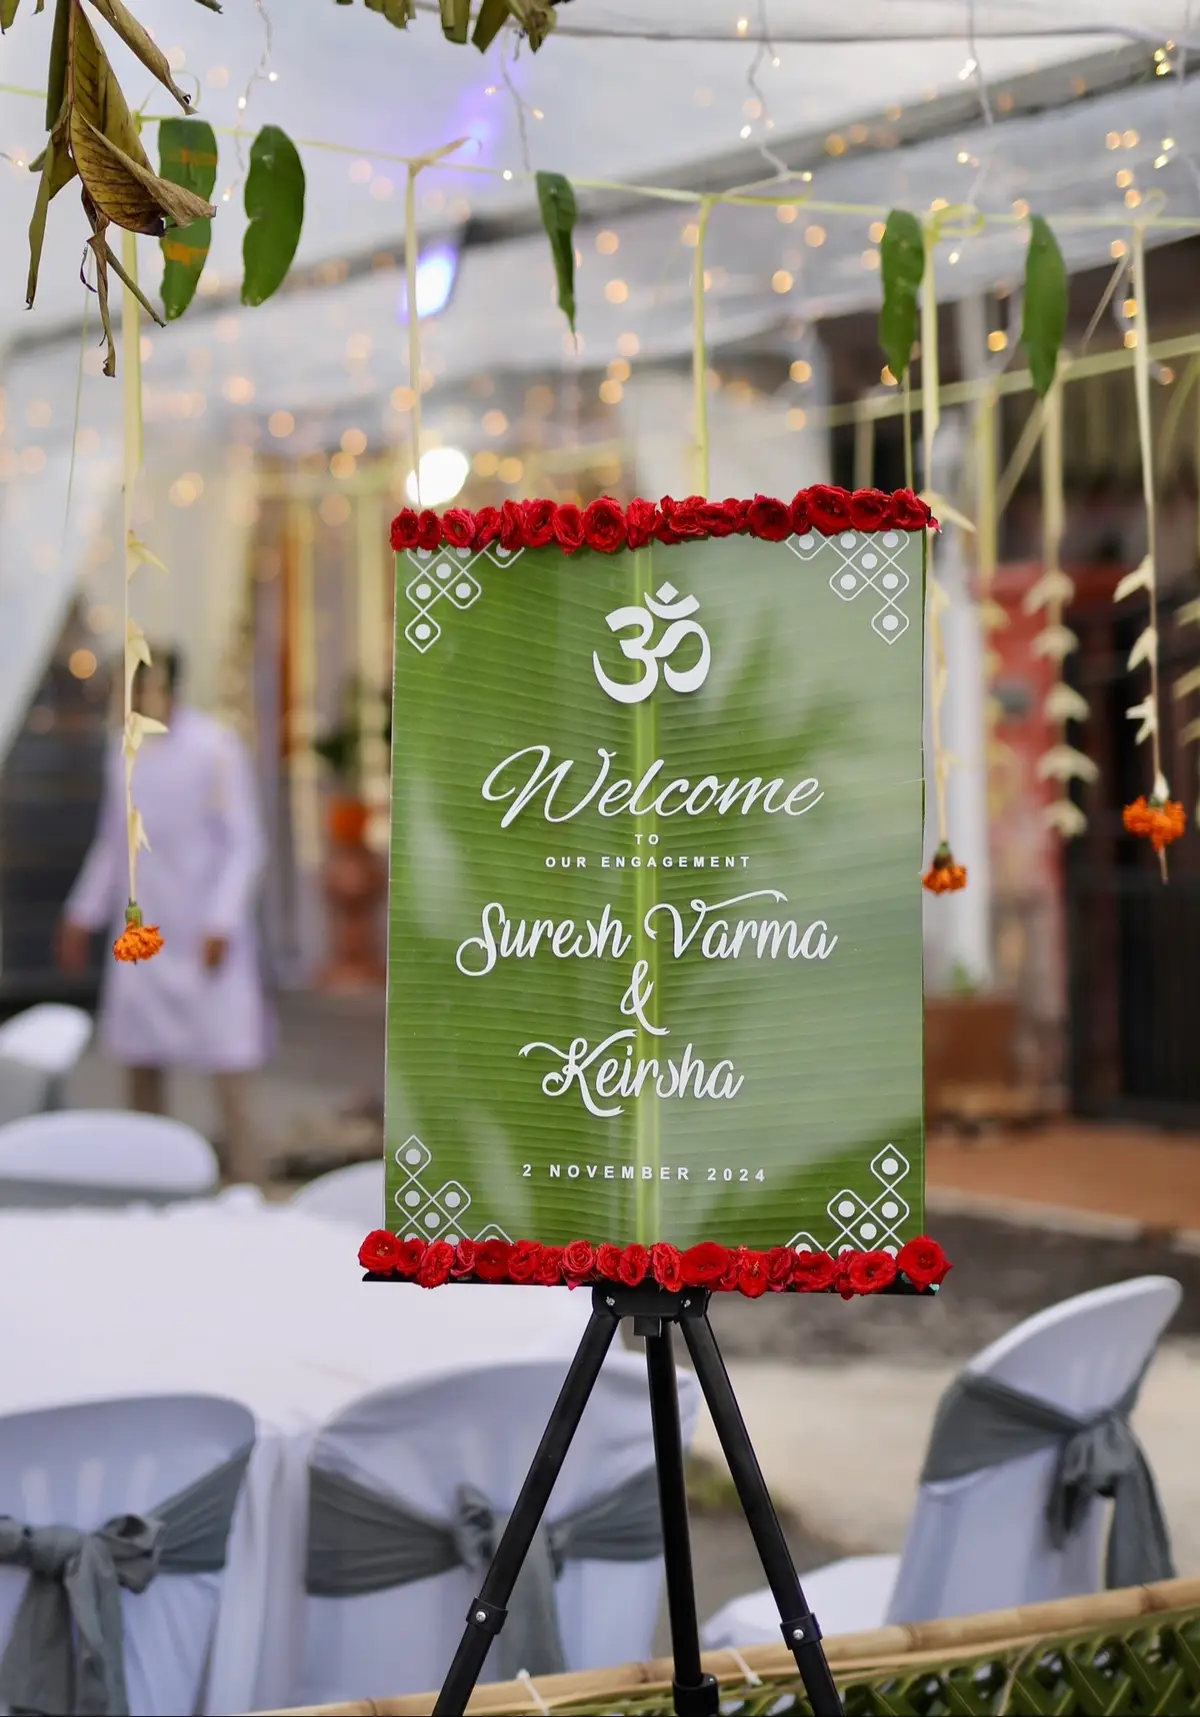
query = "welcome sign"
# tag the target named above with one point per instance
(655, 921)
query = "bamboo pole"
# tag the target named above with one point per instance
(302, 676)
(884, 1649)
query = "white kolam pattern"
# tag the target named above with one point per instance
(429, 1215)
(446, 577)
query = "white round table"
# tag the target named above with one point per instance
(267, 1306)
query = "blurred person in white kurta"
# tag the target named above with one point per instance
(199, 1003)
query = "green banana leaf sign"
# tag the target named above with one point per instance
(655, 921)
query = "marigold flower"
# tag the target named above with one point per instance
(943, 875)
(137, 941)
(1160, 821)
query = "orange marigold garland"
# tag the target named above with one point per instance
(943, 875)
(1160, 821)
(138, 941)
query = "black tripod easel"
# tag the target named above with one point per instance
(654, 1312)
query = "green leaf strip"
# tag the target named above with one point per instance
(556, 200)
(275, 211)
(902, 268)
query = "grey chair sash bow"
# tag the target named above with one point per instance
(66, 1654)
(981, 1423)
(360, 1540)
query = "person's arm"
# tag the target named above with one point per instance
(244, 854)
(95, 899)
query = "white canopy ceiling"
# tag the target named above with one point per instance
(694, 111)
(613, 107)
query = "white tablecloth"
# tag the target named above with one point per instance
(267, 1306)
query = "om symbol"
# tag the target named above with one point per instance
(666, 604)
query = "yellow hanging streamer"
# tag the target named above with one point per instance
(138, 940)
(415, 167)
(1159, 819)
(1062, 763)
(938, 601)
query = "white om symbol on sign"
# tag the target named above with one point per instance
(666, 604)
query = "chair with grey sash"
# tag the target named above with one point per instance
(1030, 1445)
(103, 1157)
(409, 1490)
(115, 1518)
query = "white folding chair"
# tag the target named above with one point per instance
(980, 1543)
(103, 1156)
(50, 1037)
(353, 1194)
(420, 1444)
(83, 1465)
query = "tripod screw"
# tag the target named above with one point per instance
(481, 1616)
(609, 1301)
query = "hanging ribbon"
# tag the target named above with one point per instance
(1160, 818)
(138, 940)
(1062, 763)
(700, 351)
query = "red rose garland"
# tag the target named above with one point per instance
(920, 1263)
(607, 527)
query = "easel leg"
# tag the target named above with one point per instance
(800, 1630)
(695, 1694)
(487, 1613)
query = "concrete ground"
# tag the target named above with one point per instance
(1029, 1220)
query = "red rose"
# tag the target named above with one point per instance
(458, 527)
(908, 512)
(491, 1260)
(923, 1262)
(436, 1264)
(869, 509)
(568, 527)
(864, 1273)
(641, 520)
(487, 527)
(721, 518)
(429, 529)
(702, 1266)
(813, 1272)
(769, 519)
(408, 1258)
(406, 530)
(682, 521)
(524, 1261)
(731, 1275)
(539, 523)
(739, 512)
(798, 512)
(378, 1252)
(604, 525)
(635, 1261)
(512, 526)
(464, 1258)
(608, 1262)
(780, 1262)
(665, 1261)
(828, 509)
(549, 1271)
(752, 1274)
(578, 1262)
